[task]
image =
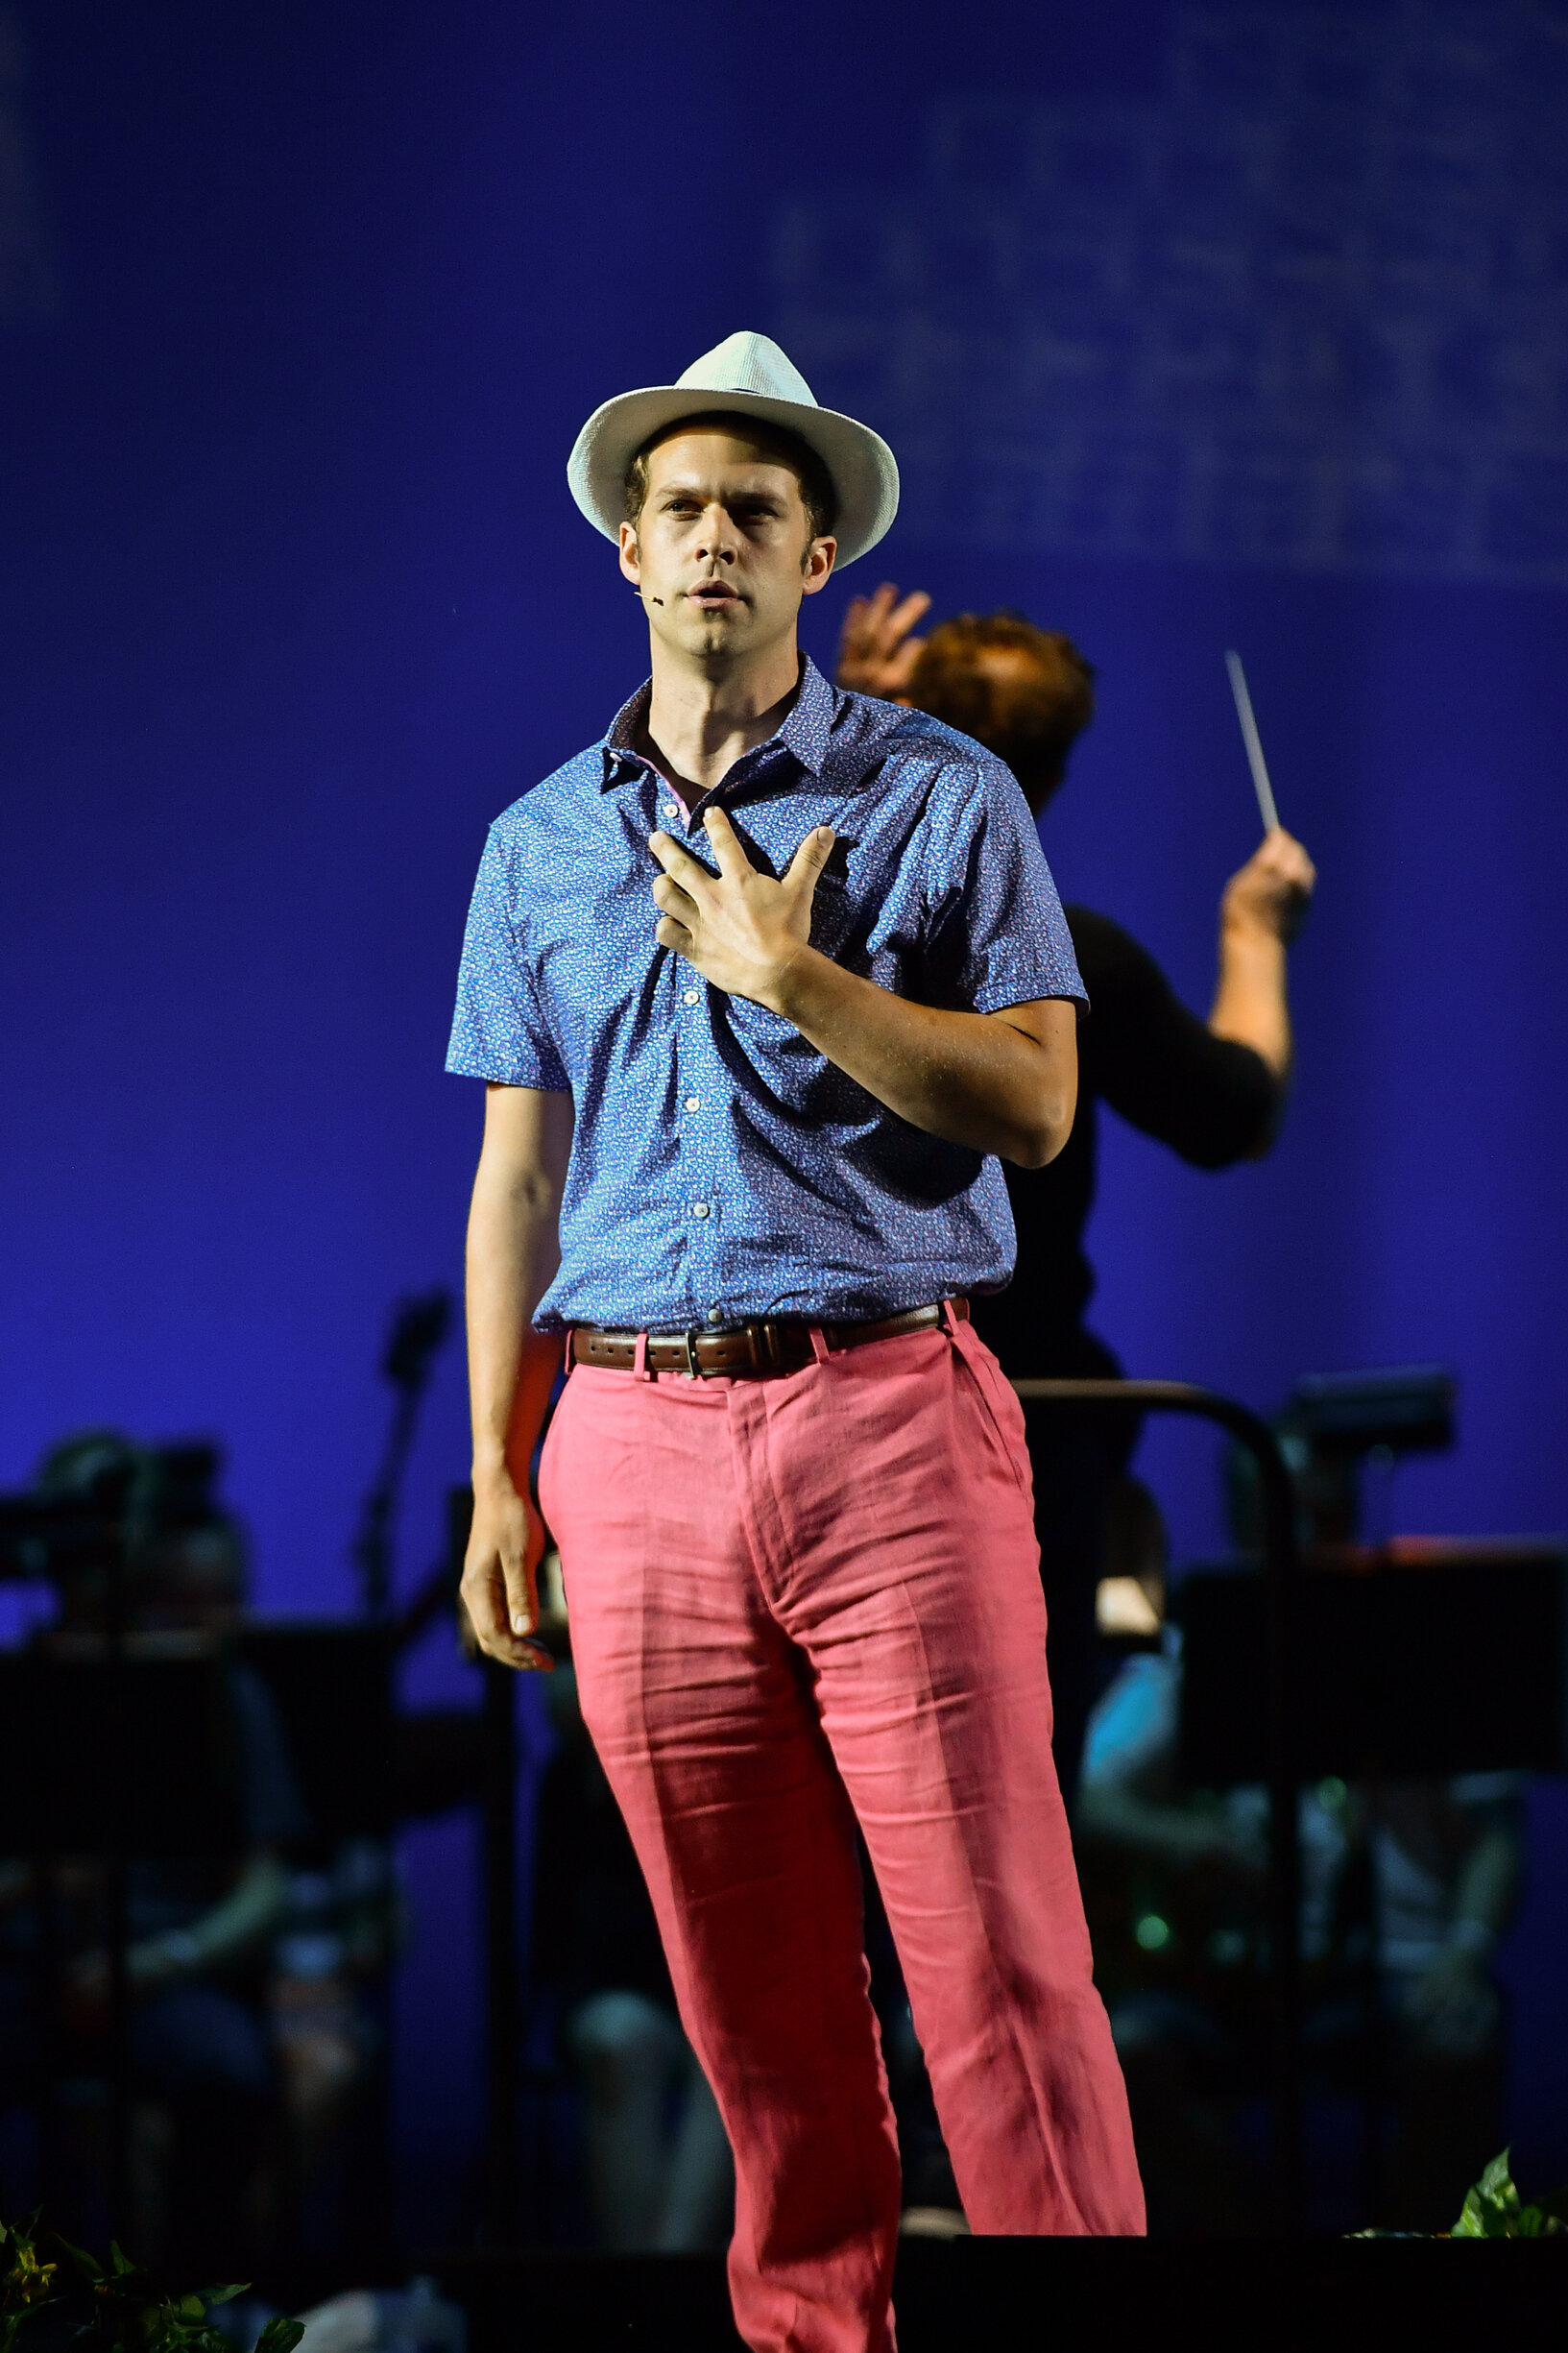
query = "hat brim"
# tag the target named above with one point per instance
(863, 470)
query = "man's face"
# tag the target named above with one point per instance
(721, 553)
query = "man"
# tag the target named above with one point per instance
(200, 1927)
(1212, 1090)
(763, 985)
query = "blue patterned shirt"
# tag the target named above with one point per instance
(721, 1167)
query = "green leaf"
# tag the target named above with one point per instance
(279, 2336)
(224, 2295)
(87, 2264)
(1491, 2208)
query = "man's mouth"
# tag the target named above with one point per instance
(715, 594)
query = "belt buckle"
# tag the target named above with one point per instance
(689, 1336)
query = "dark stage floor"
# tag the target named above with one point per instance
(1061, 2296)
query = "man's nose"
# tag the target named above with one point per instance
(717, 537)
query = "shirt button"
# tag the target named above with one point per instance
(669, 811)
(691, 996)
(693, 1103)
(715, 1315)
(699, 1209)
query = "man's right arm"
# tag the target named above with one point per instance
(1260, 915)
(512, 1252)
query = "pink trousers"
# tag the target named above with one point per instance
(797, 1603)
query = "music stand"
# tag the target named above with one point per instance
(1413, 1662)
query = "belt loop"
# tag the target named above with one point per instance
(949, 1320)
(570, 1357)
(639, 1359)
(819, 1343)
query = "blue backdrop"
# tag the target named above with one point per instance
(1194, 326)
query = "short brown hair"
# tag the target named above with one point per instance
(818, 495)
(1032, 720)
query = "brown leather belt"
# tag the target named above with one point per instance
(745, 1351)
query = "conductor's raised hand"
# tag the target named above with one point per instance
(1270, 894)
(743, 930)
(499, 1591)
(877, 648)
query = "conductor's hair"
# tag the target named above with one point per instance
(1027, 693)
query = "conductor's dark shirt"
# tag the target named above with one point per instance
(1156, 1063)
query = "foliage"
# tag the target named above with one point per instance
(24, 2282)
(117, 2310)
(1493, 2209)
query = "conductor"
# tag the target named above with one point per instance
(1213, 1088)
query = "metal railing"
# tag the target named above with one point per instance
(1282, 1568)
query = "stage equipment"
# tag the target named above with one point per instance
(1407, 1409)
(41, 1535)
(418, 1328)
(1274, 1655)
(1414, 1661)
(1331, 1427)
(1261, 785)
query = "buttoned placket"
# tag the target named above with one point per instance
(696, 1089)
(694, 1130)
(693, 1090)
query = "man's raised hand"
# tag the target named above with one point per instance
(877, 649)
(743, 930)
(1272, 893)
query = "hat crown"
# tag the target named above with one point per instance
(745, 362)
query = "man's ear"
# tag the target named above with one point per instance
(630, 561)
(817, 568)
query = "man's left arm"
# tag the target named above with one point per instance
(1002, 1081)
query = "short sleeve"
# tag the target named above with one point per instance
(498, 1029)
(1005, 938)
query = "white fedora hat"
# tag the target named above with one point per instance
(748, 372)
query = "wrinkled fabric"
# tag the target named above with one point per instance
(796, 1603)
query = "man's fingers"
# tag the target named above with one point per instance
(487, 1602)
(855, 613)
(687, 870)
(1285, 857)
(521, 1600)
(522, 1604)
(733, 861)
(493, 1564)
(666, 893)
(902, 620)
(483, 1593)
(812, 854)
(672, 935)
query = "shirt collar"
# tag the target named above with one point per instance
(804, 733)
